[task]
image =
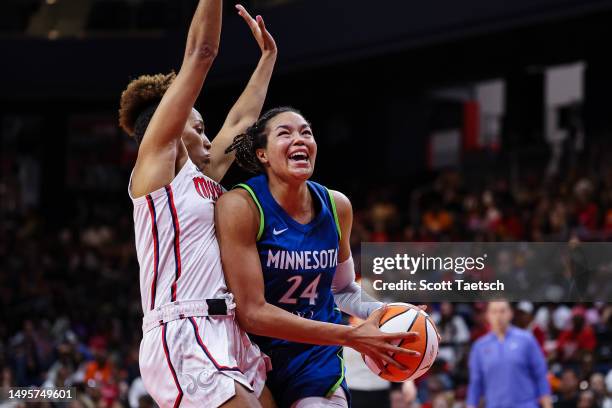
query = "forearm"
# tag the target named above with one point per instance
(271, 321)
(169, 119)
(248, 107)
(352, 301)
(205, 30)
(243, 114)
(473, 396)
(347, 293)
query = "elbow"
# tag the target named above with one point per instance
(248, 318)
(204, 53)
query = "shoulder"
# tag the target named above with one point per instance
(521, 333)
(483, 341)
(525, 337)
(236, 213)
(235, 201)
(343, 204)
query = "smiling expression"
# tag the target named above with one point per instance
(291, 150)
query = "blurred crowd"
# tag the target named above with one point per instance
(528, 208)
(576, 341)
(72, 315)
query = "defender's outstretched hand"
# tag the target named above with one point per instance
(258, 28)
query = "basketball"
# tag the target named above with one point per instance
(402, 317)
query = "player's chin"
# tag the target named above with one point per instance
(301, 173)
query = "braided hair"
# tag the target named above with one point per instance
(255, 137)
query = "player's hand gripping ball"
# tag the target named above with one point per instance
(402, 317)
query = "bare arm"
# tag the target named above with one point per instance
(236, 220)
(156, 162)
(345, 217)
(248, 107)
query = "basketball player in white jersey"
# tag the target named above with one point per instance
(193, 354)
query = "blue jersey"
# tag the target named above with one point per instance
(298, 263)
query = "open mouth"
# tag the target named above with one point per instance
(299, 157)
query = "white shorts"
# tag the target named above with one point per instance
(194, 361)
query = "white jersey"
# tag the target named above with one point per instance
(189, 355)
(176, 245)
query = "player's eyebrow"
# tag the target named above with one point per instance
(288, 127)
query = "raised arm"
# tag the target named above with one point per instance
(248, 107)
(237, 223)
(156, 162)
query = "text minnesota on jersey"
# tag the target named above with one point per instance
(302, 260)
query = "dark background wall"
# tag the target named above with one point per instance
(361, 71)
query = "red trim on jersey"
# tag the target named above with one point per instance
(205, 349)
(153, 214)
(177, 247)
(197, 184)
(179, 397)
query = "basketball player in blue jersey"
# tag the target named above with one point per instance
(286, 256)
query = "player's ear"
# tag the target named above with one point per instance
(261, 156)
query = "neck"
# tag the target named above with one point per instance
(294, 198)
(181, 157)
(501, 332)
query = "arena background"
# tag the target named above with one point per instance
(441, 120)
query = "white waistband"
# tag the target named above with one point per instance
(183, 309)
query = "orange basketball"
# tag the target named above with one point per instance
(402, 317)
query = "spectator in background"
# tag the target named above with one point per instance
(403, 396)
(553, 319)
(99, 370)
(480, 326)
(567, 394)
(586, 399)
(579, 339)
(586, 210)
(454, 333)
(437, 220)
(597, 384)
(523, 318)
(608, 400)
(494, 372)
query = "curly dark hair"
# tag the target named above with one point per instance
(139, 102)
(255, 137)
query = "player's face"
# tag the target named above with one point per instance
(195, 140)
(499, 315)
(291, 150)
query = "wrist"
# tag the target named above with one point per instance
(269, 55)
(375, 306)
(346, 335)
